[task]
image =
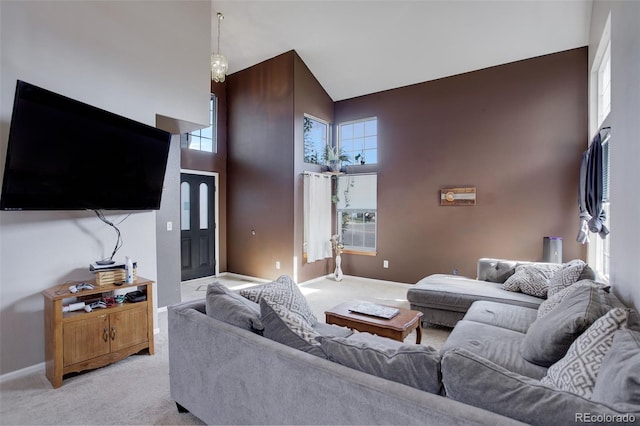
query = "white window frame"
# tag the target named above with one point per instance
(353, 153)
(598, 252)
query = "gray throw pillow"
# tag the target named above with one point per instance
(500, 273)
(281, 330)
(474, 380)
(618, 381)
(554, 300)
(283, 291)
(532, 279)
(228, 306)
(570, 273)
(413, 365)
(549, 337)
(576, 372)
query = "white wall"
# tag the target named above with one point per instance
(136, 59)
(625, 140)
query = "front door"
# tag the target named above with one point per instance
(197, 227)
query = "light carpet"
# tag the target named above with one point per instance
(136, 390)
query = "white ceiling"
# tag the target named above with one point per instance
(357, 47)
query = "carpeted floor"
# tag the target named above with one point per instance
(136, 390)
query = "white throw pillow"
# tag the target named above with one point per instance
(532, 279)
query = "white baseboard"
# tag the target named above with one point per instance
(37, 368)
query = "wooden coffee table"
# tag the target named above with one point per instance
(397, 328)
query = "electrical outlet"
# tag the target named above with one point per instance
(385, 263)
(455, 271)
(277, 264)
(169, 226)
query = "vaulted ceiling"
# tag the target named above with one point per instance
(357, 47)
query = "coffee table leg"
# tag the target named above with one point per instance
(418, 333)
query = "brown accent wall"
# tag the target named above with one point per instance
(515, 132)
(208, 162)
(260, 168)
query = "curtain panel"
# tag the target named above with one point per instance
(317, 216)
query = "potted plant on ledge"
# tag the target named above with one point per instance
(334, 158)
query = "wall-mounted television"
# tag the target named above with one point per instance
(63, 154)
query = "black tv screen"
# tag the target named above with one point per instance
(63, 154)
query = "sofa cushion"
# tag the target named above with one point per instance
(618, 381)
(556, 298)
(456, 293)
(576, 372)
(413, 365)
(499, 345)
(532, 279)
(289, 328)
(226, 305)
(283, 291)
(474, 380)
(570, 273)
(549, 337)
(517, 318)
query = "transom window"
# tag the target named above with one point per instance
(315, 137)
(359, 140)
(204, 139)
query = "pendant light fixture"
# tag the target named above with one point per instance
(219, 63)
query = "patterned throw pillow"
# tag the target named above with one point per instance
(282, 292)
(577, 371)
(570, 273)
(532, 279)
(554, 300)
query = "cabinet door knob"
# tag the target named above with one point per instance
(113, 333)
(105, 336)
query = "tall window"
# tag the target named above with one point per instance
(600, 81)
(359, 140)
(204, 139)
(356, 208)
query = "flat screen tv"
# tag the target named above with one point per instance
(63, 154)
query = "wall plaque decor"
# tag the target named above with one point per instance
(458, 196)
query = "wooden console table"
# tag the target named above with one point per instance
(77, 341)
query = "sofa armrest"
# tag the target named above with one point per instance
(477, 381)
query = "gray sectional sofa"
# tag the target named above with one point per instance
(502, 364)
(224, 374)
(444, 299)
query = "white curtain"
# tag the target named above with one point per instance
(317, 216)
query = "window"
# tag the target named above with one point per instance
(359, 140)
(600, 101)
(356, 208)
(204, 139)
(315, 136)
(604, 85)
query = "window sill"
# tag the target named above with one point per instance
(360, 252)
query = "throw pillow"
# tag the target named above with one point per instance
(228, 306)
(570, 273)
(469, 378)
(549, 337)
(283, 291)
(289, 328)
(532, 279)
(553, 301)
(577, 371)
(618, 381)
(501, 272)
(414, 365)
